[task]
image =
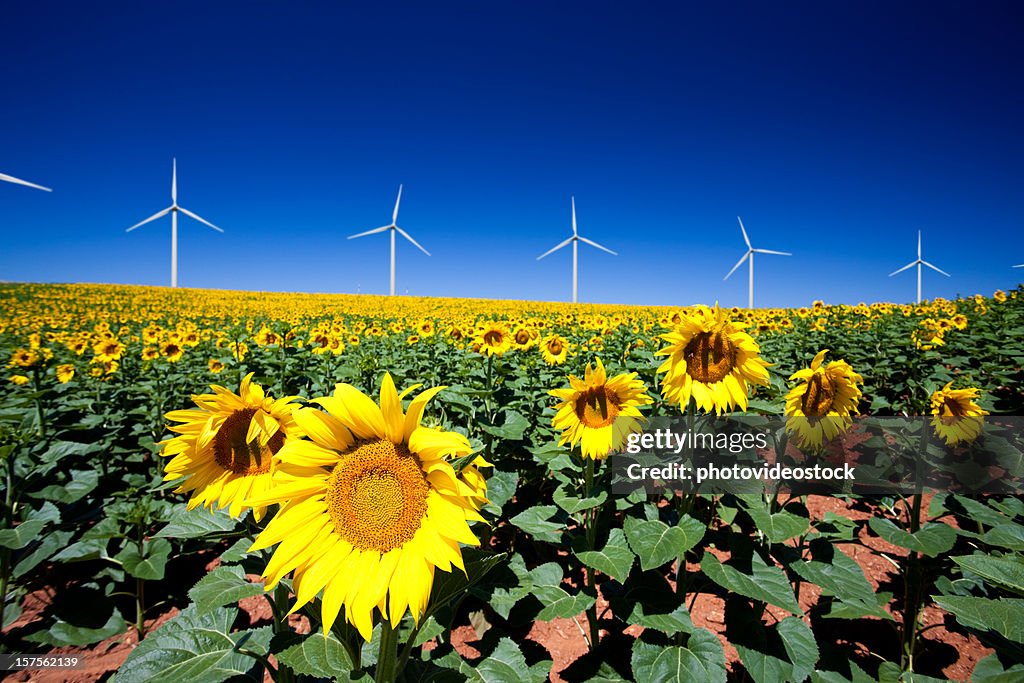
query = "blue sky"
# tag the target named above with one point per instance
(835, 130)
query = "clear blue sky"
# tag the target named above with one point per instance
(834, 129)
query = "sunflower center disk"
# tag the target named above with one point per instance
(597, 407)
(554, 347)
(234, 454)
(492, 338)
(710, 357)
(377, 496)
(817, 400)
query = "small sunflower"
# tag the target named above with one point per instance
(370, 506)
(957, 418)
(226, 445)
(23, 358)
(172, 351)
(493, 338)
(215, 366)
(554, 349)
(821, 405)
(64, 373)
(711, 359)
(599, 413)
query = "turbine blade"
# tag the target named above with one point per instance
(738, 264)
(595, 244)
(370, 232)
(555, 248)
(174, 181)
(409, 237)
(919, 244)
(19, 181)
(1020, 266)
(937, 270)
(159, 214)
(394, 216)
(574, 216)
(745, 238)
(197, 218)
(769, 251)
(909, 265)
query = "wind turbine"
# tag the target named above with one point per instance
(919, 262)
(393, 227)
(174, 209)
(575, 240)
(750, 255)
(1020, 266)
(19, 181)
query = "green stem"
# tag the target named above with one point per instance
(590, 520)
(387, 656)
(913, 577)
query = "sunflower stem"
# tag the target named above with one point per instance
(913, 577)
(387, 656)
(590, 520)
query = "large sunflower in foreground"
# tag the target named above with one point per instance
(370, 507)
(225, 446)
(821, 405)
(711, 359)
(957, 418)
(599, 413)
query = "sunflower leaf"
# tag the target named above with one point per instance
(538, 522)
(931, 539)
(149, 563)
(197, 523)
(1005, 617)
(703, 659)
(222, 586)
(317, 656)
(615, 559)
(656, 543)
(763, 583)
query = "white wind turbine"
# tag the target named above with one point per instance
(575, 240)
(19, 181)
(919, 262)
(1020, 266)
(393, 227)
(750, 255)
(173, 209)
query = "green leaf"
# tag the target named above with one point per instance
(501, 486)
(448, 585)
(777, 527)
(573, 504)
(656, 543)
(614, 559)
(1002, 571)
(703, 659)
(317, 656)
(932, 539)
(990, 670)
(785, 652)
(838, 575)
(21, 535)
(51, 543)
(64, 633)
(511, 430)
(150, 563)
(506, 663)
(79, 484)
(193, 648)
(537, 522)
(222, 586)
(547, 580)
(1005, 617)
(763, 583)
(197, 523)
(1005, 536)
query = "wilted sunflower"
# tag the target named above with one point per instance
(957, 418)
(554, 349)
(370, 507)
(492, 338)
(599, 413)
(225, 446)
(712, 359)
(821, 405)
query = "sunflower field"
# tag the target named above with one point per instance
(254, 486)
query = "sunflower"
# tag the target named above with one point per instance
(957, 418)
(23, 358)
(554, 349)
(65, 373)
(599, 413)
(226, 445)
(821, 405)
(492, 338)
(108, 349)
(712, 359)
(150, 353)
(19, 380)
(370, 506)
(172, 351)
(215, 366)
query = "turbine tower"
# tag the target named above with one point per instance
(19, 181)
(393, 228)
(174, 209)
(919, 262)
(575, 240)
(750, 256)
